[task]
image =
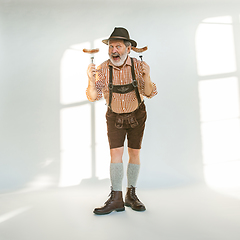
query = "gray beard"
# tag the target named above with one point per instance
(122, 60)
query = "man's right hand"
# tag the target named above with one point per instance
(91, 72)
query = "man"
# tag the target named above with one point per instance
(123, 81)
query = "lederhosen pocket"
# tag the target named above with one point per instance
(125, 120)
(119, 122)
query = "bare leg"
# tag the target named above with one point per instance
(134, 156)
(116, 155)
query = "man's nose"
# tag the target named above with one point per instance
(114, 50)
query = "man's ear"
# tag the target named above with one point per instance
(129, 49)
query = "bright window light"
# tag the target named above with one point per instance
(77, 131)
(215, 49)
(222, 19)
(219, 108)
(219, 99)
(102, 146)
(219, 102)
(223, 175)
(73, 74)
(221, 141)
(75, 145)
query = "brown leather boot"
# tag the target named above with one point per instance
(114, 203)
(131, 200)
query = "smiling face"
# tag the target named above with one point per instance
(118, 52)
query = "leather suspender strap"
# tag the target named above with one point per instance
(135, 83)
(110, 86)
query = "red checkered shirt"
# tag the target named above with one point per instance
(121, 103)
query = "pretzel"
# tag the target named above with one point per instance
(139, 50)
(92, 51)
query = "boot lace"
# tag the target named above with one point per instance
(111, 195)
(133, 193)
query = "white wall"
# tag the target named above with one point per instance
(33, 39)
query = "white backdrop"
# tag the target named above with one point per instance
(50, 134)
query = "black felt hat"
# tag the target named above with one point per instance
(120, 33)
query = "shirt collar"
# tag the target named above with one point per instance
(128, 62)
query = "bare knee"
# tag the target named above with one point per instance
(116, 154)
(134, 155)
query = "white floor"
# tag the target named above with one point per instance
(187, 213)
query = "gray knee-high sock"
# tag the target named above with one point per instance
(116, 176)
(132, 174)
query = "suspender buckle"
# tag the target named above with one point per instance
(134, 83)
(110, 86)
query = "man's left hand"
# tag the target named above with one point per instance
(145, 70)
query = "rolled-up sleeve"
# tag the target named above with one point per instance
(142, 82)
(99, 83)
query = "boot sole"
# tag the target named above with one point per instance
(117, 210)
(139, 210)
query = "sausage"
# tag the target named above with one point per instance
(139, 50)
(92, 51)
